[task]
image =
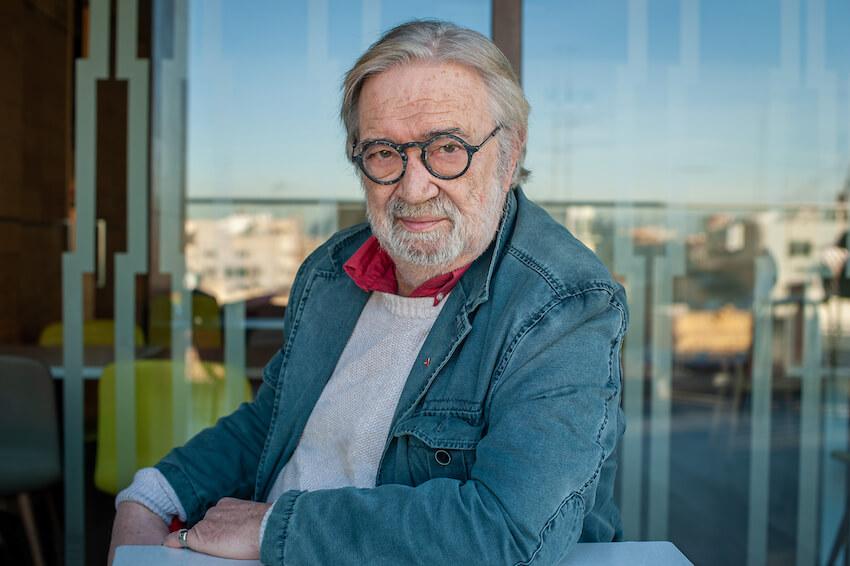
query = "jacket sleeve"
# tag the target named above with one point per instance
(222, 461)
(553, 422)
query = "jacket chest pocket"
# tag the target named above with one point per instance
(438, 446)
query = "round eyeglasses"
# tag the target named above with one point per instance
(445, 156)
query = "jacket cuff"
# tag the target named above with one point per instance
(183, 489)
(274, 534)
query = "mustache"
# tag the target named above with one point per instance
(438, 206)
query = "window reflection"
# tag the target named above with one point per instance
(702, 149)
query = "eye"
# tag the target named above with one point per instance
(449, 147)
(380, 154)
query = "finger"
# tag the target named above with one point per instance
(172, 541)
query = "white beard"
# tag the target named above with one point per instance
(468, 234)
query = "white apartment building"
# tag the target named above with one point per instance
(245, 255)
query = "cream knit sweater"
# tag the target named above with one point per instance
(345, 435)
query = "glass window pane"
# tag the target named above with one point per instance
(702, 149)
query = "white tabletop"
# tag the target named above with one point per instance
(587, 554)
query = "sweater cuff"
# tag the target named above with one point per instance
(151, 489)
(276, 521)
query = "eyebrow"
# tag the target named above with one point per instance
(458, 131)
(428, 135)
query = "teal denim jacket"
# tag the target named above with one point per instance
(501, 449)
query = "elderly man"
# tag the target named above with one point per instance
(449, 385)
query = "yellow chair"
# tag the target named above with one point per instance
(98, 332)
(154, 413)
(206, 321)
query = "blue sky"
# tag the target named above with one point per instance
(736, 127)
(738, 124)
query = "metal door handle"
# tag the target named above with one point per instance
(101, 253)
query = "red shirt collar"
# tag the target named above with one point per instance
(372, 269)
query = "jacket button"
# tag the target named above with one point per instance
(442, 457)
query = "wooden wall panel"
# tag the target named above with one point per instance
(507, 30)
(34, 59)
(111, 182)
(40, 304)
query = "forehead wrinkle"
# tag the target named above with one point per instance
(416, 121)
(397, 108)
(411, 114)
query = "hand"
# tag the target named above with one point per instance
(136, 524)
(231, 529)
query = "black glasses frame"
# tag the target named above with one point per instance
(402, 148)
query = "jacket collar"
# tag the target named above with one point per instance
(475, 283)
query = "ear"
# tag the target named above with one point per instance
(516, 152)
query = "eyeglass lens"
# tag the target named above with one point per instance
(444, 156)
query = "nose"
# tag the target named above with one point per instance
(417, 184)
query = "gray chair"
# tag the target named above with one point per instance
(29, 438)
